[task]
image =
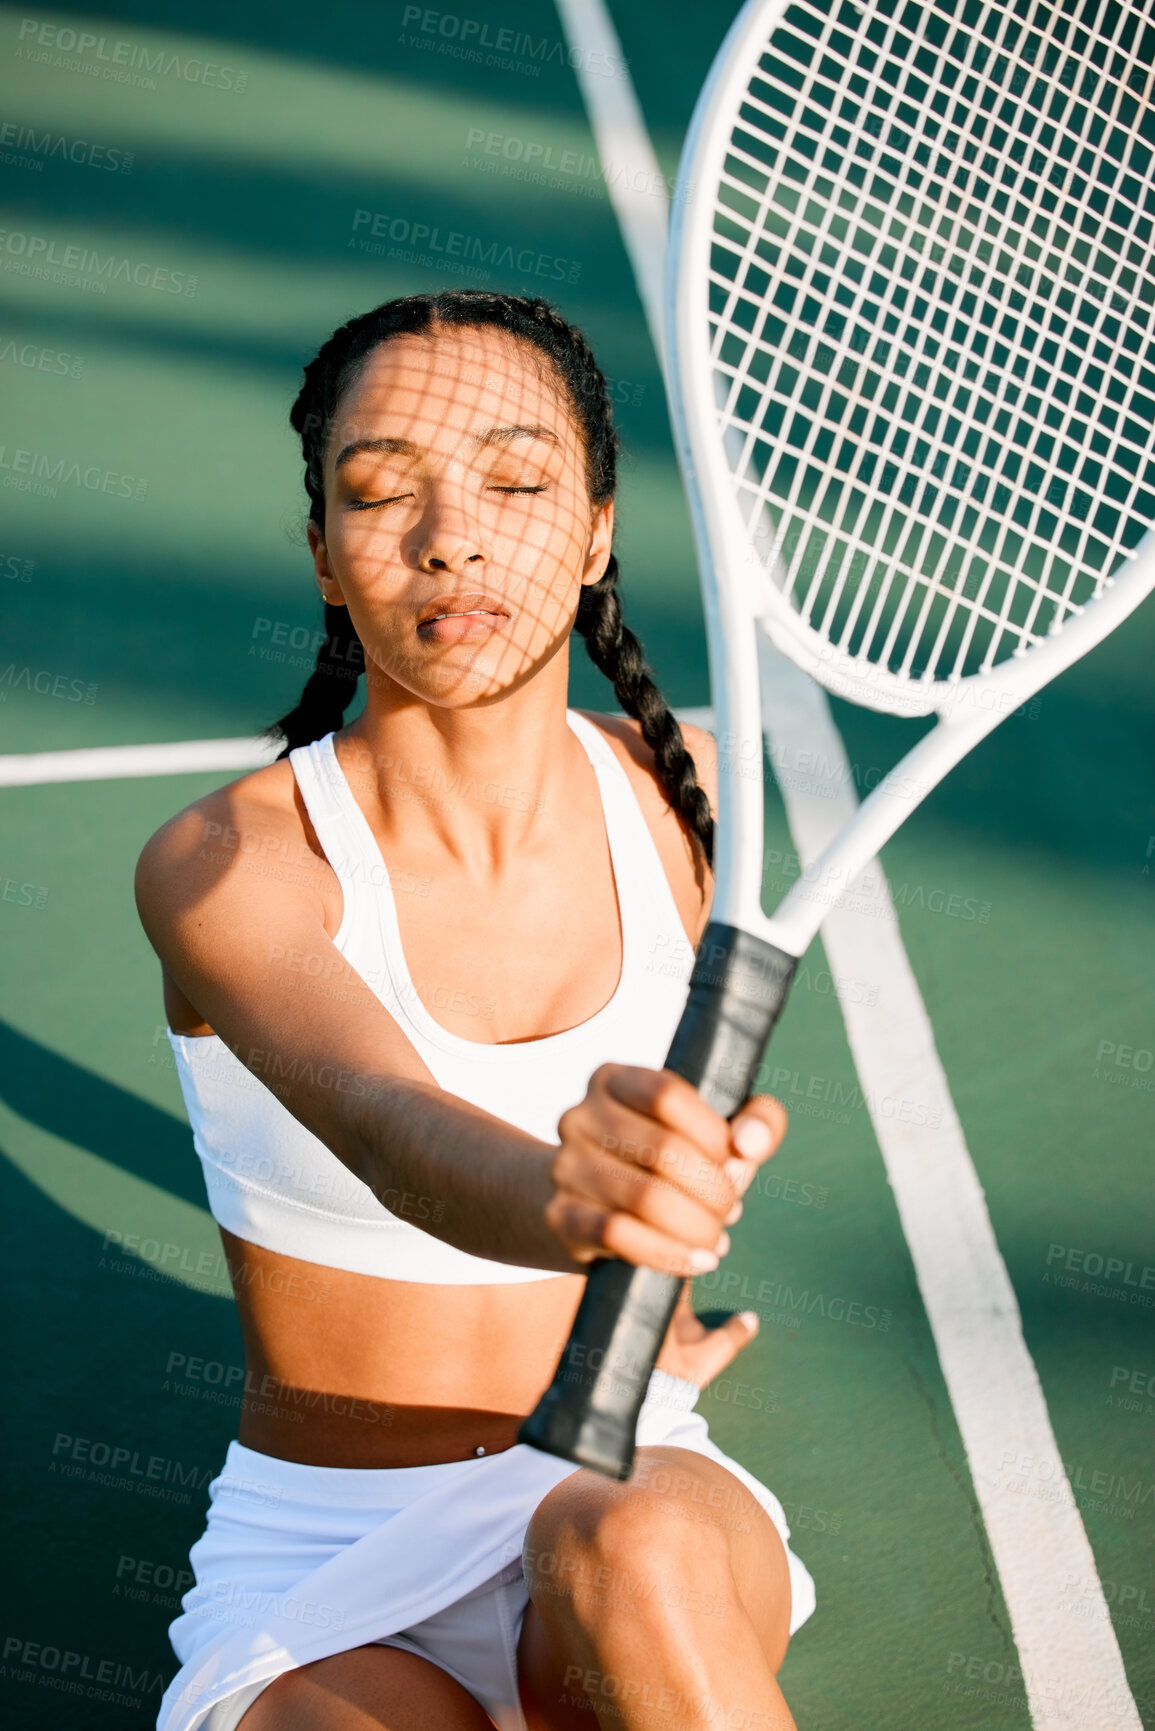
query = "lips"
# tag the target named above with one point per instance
(464, 618)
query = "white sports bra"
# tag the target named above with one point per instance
(272, 1182)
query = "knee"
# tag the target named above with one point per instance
(640, 1550)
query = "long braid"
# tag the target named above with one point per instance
(330, 688)
(612, 646)
(616, 652)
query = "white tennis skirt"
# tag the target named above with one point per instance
(300, 1562)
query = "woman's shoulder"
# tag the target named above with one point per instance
(244, 832)
(624, 735)
(689, 877)
(263, 796)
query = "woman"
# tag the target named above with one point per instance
(420, 980)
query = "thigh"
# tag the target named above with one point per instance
(367, 1689)
(716, 1536)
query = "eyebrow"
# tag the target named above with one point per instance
(480, 441)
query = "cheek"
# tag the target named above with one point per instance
(548, 553)
(366, 542)
(549, 595)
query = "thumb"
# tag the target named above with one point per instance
(756, 1132)
(720, 1346)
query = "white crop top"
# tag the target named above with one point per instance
(272, 1182)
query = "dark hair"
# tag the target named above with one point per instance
(612, 646)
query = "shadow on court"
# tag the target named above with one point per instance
(74, 1103)
(113, 1468)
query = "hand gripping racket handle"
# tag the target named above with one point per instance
(589, 1412)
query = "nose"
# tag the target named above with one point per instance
(448, 536)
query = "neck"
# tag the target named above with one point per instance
(477, 782)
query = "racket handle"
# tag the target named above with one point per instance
(589, 1413)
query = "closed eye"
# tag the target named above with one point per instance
(396, 498)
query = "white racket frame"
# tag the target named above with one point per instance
(739, 599)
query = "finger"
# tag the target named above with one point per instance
(721, 1346)
(613, 1183)
(668, 1100)
(756, 1132)
(633, 1241)
(607, 1130)
(588, 1232)
(578, 1226)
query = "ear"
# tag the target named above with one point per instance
(600, 543)
(326, 582)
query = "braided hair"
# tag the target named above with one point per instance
(612, 646)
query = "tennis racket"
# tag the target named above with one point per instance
(911, 369)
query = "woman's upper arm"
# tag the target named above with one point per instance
(232, 899)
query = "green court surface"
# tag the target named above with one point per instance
(154, 586)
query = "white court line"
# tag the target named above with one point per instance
(111, 762)
(629, 161)
(1072, 1666)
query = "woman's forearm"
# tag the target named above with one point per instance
(457, 1172)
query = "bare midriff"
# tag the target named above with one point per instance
(347, 1370)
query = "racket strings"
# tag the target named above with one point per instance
(932, 386)
(878, 285)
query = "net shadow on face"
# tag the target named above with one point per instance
(458, 523)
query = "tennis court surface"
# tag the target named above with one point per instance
(256, 175)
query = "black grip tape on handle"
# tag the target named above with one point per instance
(589, 1412)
